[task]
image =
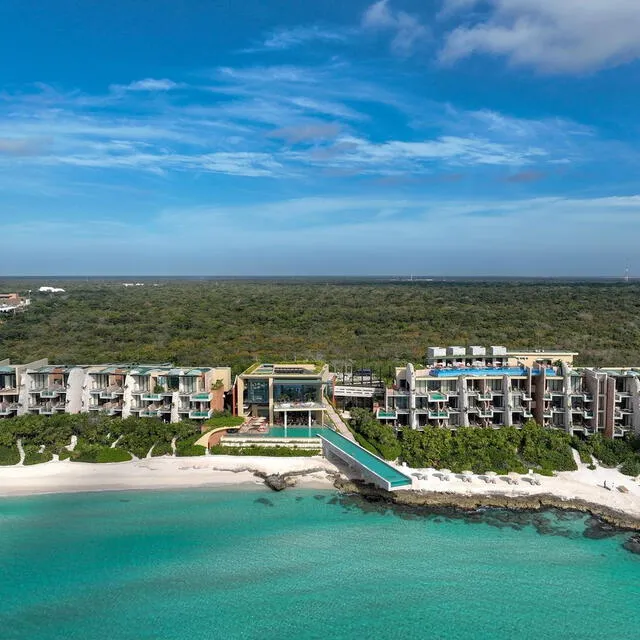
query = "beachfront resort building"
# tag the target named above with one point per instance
(283, 394)
(474, 386)
(160, 391)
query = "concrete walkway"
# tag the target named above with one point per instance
(338, 422)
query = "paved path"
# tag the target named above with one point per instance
(337, 420)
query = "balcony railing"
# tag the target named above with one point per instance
(151, 396)
(7, 408)
(485, 395)
(485, 412)
(199, 415)
(438, 414)
(437, 397)
(201, 396)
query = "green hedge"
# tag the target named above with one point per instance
(277, 452)
(188, 447)
(31, 455)
(100, 454)
(9, 455)
(223, 421)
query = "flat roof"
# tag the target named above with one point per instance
(284, 369)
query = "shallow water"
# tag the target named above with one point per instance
(302, 564)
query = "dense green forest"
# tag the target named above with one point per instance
(234, 323)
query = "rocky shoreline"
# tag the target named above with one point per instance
(469, 503)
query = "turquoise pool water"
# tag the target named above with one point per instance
(203, 565)
(296, 432)
(371, 462)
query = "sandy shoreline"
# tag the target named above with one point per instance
(583, 489)
(159, 473)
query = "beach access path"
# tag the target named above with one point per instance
(341, 427)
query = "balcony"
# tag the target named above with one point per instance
(485, 412)
(165, 408)
(149, 413)
(201, 396)
(11, 391)
(151, 396)
(438, 415)
(547, 395)
(437, 397)
(49, 408)
(527, 413)
(7, 408)
(588, 415)
(547, 413)
(526, 395)
(199, 415)
(485, 395)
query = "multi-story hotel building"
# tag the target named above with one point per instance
(479, 387)
(161, 391)
(283, 393)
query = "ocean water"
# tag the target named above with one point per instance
(209, 564)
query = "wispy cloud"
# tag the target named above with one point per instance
(406, 29)
(148, 84)
(304, 122)
(567, 36)
(290, 37)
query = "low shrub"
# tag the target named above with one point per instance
(162, 449)
(32, 455)
(9, 455)
(277, 452)
(100, 454)
(188, 447)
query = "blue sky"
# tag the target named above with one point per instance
(274, 137)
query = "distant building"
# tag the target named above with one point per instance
(13, 303)
(50, 290)
(286, 394)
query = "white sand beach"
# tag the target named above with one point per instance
(158, 473)
(583, 484)
(228, 471)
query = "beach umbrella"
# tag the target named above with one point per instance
(491, 475)
(445, 471)
(467, 475)
(536, 478)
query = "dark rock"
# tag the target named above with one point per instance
(278, 482)
(596, 529)
(633, 543)
(264, 501)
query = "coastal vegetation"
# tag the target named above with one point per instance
(277, 452)
(481, 450)
(373, 324)
(98, 438)
(623, 453)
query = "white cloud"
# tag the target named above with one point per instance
(285, 38)
(397, 156)
(407, 30)
(554, 36)
(148, 84)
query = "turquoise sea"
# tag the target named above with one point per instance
(207, 564)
